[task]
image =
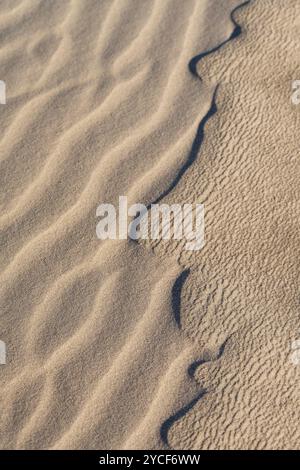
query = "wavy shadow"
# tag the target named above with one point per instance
(183, 411)
(194, 366)
(178, 415)
(213, 109)
(194, 149)
(235, 33)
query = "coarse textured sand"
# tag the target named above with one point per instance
(122, 344)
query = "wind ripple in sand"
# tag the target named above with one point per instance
(100, 103)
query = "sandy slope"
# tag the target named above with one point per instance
(102, 102)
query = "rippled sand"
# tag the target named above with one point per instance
(118, 344)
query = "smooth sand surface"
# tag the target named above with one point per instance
(123, 344)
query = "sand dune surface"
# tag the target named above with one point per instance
(122, 344)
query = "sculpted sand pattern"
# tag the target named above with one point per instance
(104, 99)
(100, 104)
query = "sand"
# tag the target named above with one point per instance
(122, 344)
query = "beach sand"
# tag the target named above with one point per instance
(122, 344)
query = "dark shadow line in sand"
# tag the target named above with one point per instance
(194, 366)
(184, 410)
(179, 414)
(213, 109)
(176, 294)
(235, 33)
(194, 149)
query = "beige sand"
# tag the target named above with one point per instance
(101, 102)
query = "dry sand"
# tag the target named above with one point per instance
(123, 345)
